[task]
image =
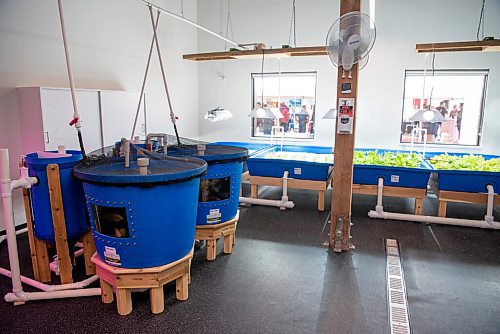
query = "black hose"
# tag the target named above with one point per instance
(177, 134)
(82, 148)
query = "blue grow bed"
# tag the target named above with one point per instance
(466, 180)
(393, 176)
(258, 165)
(253, 148)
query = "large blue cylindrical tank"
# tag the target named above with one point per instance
(220, 187)
(75, 214)
(141, 221)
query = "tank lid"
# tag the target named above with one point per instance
(210, 152)
(165, 170)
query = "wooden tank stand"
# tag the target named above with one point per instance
(124, 280)
(319, 186)
(418, 194)
(38, 248)
(445, 196)
(211, 233)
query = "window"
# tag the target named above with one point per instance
(455, 99)
(111, 221)
(292, 100)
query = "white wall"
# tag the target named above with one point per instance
(400, 25)
(109, 43)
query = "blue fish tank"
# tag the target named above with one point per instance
(75, 213)
(219, 190)
(142, 219)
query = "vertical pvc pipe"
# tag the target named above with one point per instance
(489, 208)
(9, 221)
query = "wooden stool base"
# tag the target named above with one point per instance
(124, 280)
(211, 233)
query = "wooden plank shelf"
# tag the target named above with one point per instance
(491, 45)
(249, 54)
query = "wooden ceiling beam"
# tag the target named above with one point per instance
(246, 54)
(491, 45)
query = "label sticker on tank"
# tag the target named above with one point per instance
(297, 171)
(111, 257)
(395, 178)
(214, 216)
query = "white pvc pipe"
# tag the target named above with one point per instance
(9, 220)
(489, 208)
(487, 223)
(268, 202)
(54, 265)
(27, 296)
(49, 287)
(23, 183)
(283, 204)
(127, 153)
(435, 220)
(21, 231)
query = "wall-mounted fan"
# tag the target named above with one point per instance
(350, 39)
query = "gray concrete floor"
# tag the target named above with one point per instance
(280, 279)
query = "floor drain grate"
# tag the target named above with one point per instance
(396, 290)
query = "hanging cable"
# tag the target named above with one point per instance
(292, 27)
(145, 77)
(480, 26)
(149, 4)
(262, 79)
(76, 116)
(182, 8)
(172, 115)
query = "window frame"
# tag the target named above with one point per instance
(252, 100)
(479, 141)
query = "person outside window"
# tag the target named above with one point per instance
(303, 118)
(286, 116)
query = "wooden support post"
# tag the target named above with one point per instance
(419, 206)
(254, 191)
(157, 300)
(60, 236)
(228, 243)
(442, 208)
(106, 292)
(344, 153)
(181, 287)
(123, 301)
(321, 200)
(88, 251)
(211, 249)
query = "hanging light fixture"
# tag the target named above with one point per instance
(330, 114)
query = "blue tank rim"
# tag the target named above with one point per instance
(239, 154)
(33, 162)
(85, 173)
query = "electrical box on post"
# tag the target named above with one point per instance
(345, 118)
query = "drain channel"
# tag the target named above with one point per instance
(399, 321)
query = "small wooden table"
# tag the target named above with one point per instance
(211, 233)
(123, 280)
(319, 186)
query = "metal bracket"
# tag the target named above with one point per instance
(339, 230)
